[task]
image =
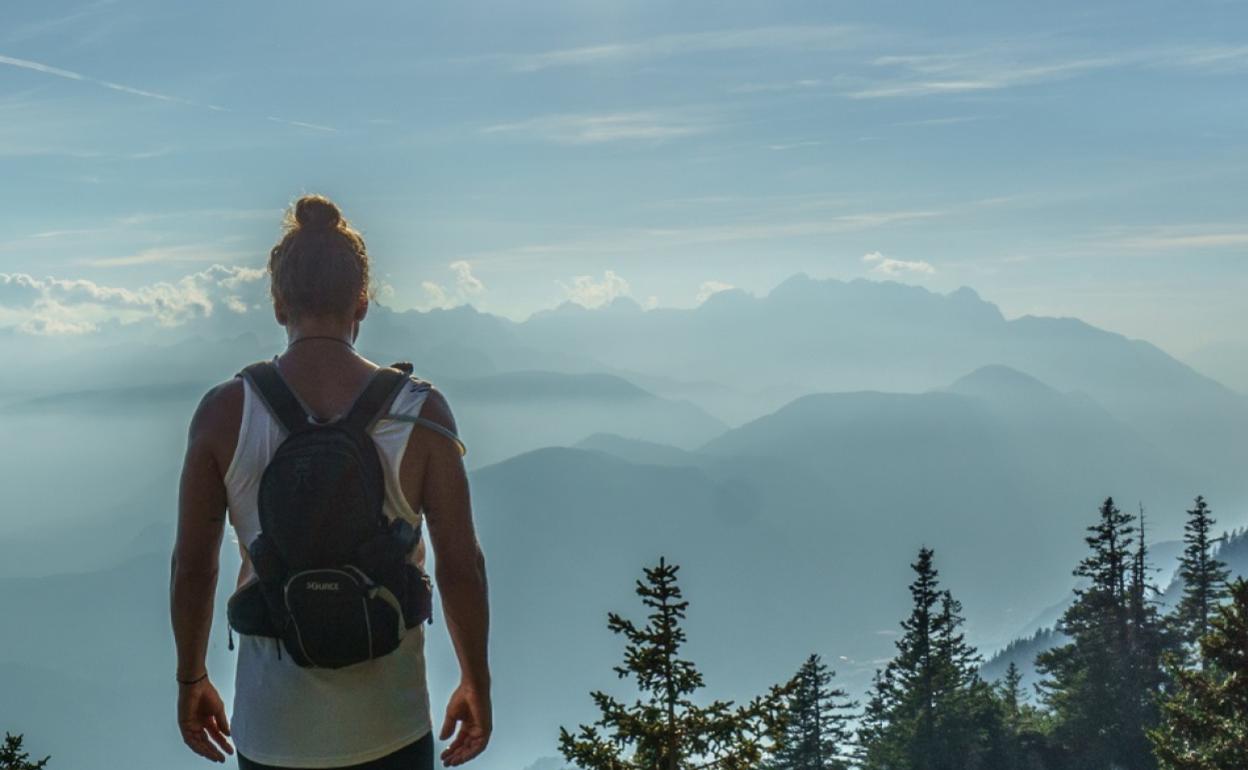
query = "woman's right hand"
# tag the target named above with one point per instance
(202, 720)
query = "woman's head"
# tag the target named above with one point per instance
(319, 269)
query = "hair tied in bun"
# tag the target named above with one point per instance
(316, 212)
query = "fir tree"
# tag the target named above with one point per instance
(1205, 719)
(816, 733)
(1023, 724)
(928, 709)
(665, 729)
(1147, 643)
(1021, 717)
(1100, 686)
(13, 758)
(1204, 576)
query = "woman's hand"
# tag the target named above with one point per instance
(202, 721)
(470, 707)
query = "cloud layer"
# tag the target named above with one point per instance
(74, 306)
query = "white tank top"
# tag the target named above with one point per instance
(292, 716)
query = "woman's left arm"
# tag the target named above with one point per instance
(193, 579)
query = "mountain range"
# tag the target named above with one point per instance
(791, 451)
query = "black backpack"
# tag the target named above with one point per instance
(333, 578)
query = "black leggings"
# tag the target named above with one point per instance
(417, 755)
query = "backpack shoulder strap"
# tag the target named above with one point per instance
(276, 395)
(375, 401)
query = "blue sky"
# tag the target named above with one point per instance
(1061, 158)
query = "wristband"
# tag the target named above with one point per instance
(196, 680)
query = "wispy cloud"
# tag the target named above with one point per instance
(788, 85)
(26, 31)
(952, 120)
(47, 69)
(895, 267)
(1211, 58)
(1181, 239)
(657, 239)
(775, 37)
(782, 146)
(931, 74)
(648, 126)
(302, 124)
(167, 254)
(1028, 63)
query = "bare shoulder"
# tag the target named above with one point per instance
(215, 424)
(222, 401)
(437, 410)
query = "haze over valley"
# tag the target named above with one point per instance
(792, 451)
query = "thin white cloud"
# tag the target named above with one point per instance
(1214, 59)
(789, 85)
(935, 74)
(47, 69)
(166, 254)
(302, 124)
(56, 24)
(588, 292)
(952, 120)
(652, 240)
(804, 37)
(649, 126)
(1186, 241)
(1027, 63)
(711, 287)
(895, 267)
(793, 145)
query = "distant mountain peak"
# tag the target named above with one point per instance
(623, 304)
(999, 380)
(963, 302)
(965, 294)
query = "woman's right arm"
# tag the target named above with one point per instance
(461, 582)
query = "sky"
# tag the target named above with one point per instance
(1065, 158)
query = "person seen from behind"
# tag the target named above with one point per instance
(331, 596)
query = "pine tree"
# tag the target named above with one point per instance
(1147, 643)
(1204, 576)
(665, 729)
(1023, 724)
(816, 732)
(13, 758)
(928, 709)
(1020, 716)
(1100, 685)
(1205, 719)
